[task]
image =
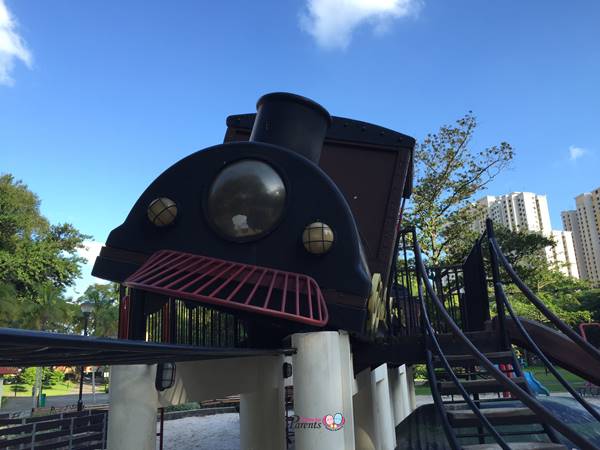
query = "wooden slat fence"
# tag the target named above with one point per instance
(73, 431)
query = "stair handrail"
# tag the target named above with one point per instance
(563, 327)
(429, 333)
(509, 385)
(516, 319)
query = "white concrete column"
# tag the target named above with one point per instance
(405, 392)
(262, 411)
(323, 385)
(394, 377)
(399, 393)
(364, 417)
(133, 405)
(1, 389)
(410, 382)
(384, 413)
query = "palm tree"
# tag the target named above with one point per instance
(48, 310)
(105, 318)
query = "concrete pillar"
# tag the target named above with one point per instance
(323, 385)
(410, 381)
(396, 397)
(405, 392)
(1, 389)
(133, 405)
(374, 411)
(262, 411)
(399, 393)
(364, 417)
(384, 420)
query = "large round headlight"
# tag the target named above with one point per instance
(246, 199)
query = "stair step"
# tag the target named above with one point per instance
(518, 446)
(497, 416)
(480, 386)
(468, 360)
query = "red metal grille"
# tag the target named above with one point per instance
(276, 293)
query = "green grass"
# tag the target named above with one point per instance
(546, 379)
(552, 383)
(422, 387)
(24, 390)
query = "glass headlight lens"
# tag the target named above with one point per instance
(246, 199)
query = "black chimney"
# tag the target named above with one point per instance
(291, 121)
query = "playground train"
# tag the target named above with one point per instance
(288, 225)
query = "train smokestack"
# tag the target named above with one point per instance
(291, 121)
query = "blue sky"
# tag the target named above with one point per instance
(98, 97)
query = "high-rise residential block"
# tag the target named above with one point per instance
(516, 211)
(526, 211)
(584, 223)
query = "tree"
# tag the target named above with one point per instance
(52, 377)
(449, 173)
(562, 294)
(47, 311)
(35, 256)
(26, 376)
(590, 300)
(9, 308)
(104, 319)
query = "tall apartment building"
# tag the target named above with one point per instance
(517, 211)
(584, 223)
(526, 211)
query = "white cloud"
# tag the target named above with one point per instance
(576, 152)
(331, 22)
(12, 46)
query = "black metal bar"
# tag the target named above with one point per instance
(392, 281)
(589, 408)
(172, 320)
(80, 400)
(496, 281)
(591, 350)
(509, 385)
(190, 326)
(437, 398)
(408, 284)
(429, 336)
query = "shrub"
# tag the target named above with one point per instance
(420, 371)
(27, 376)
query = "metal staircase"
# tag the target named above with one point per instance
(513, 420)
(482, 398)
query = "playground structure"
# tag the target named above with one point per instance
(285, 245)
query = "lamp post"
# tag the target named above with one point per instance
(86, 309)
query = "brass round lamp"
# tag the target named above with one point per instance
(317, 238)
(162, 211)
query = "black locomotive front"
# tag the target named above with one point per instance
(257, 228)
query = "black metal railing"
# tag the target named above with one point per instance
(431, 341)
(183, 322)
(496, 251)
(403, 308)
(527, 399)
(496, 257)
(404, 314)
